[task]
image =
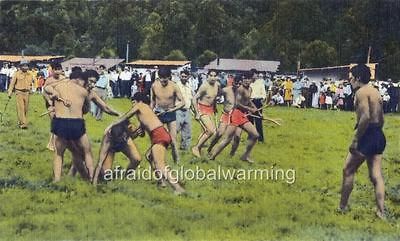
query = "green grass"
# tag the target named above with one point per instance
(312, 142)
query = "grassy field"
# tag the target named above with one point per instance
(312, 142)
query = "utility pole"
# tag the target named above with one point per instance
(369, 54)
(127, 52)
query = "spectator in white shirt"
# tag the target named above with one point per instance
(258, 96)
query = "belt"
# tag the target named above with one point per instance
(100, 87)
(22, 90)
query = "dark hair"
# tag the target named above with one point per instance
(212, 70)
(238, 78)
(139, 96)
(248, 75)
(185, 72)
(91, 73)
(56, 66)
(76, 68)
(102, 67)
(362, 73)
(164, 72)
(76, 75)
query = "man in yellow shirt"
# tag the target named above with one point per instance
(21, 84)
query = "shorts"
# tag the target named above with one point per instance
(226, 118)
(238, 118)
(68, 128)
(167, 117)
(205, 109)
(373, 142)
(118, 146)
(160, 136)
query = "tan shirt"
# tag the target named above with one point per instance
(187, 94)
(21, 81)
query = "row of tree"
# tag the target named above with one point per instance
(315, 32)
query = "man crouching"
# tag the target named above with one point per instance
(160, 138)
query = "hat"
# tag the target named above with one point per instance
(24, 62)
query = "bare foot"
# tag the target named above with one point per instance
(179, 191)
(381, 215)
(162, 183)
(196, 151)
(246, 159)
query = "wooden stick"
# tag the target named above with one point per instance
(266, 118)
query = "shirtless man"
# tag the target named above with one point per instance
(118, 139)
(160, 139)
(57, 76)
(68, 125)
(239, 119)
(204, 107)
(229, 93)
(166, 98)
(369, 141)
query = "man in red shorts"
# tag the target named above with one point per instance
(204, 108)
(228, 93)
(160, 138)
(239, 119)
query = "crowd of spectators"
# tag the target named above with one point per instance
(290, 91)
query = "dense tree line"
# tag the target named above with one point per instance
(316, 32)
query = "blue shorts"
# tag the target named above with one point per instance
(167, 117)
(373, 142)
(68, 128)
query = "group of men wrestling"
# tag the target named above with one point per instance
(68, 100)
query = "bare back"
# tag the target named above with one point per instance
(75, 94)
(369, 98)
(147, 117)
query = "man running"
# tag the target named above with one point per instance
(204, 108)
(369, 141)
(228, 93)
(243, 106)
(159, 136)
(166, 98)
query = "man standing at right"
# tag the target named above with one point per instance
(369, 141)
(21, 83)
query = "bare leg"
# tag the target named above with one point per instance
(133, 155)
(158, 154)
(220, 132)
(229, 133)
(150, 159)
(207, 133)
(352, 163)
(172, 131)
(50, 145)
(106, 158)
(78, 158)
(236, 141)
(375, 175)
(85, 144)
(253, 137)
(60, 146)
